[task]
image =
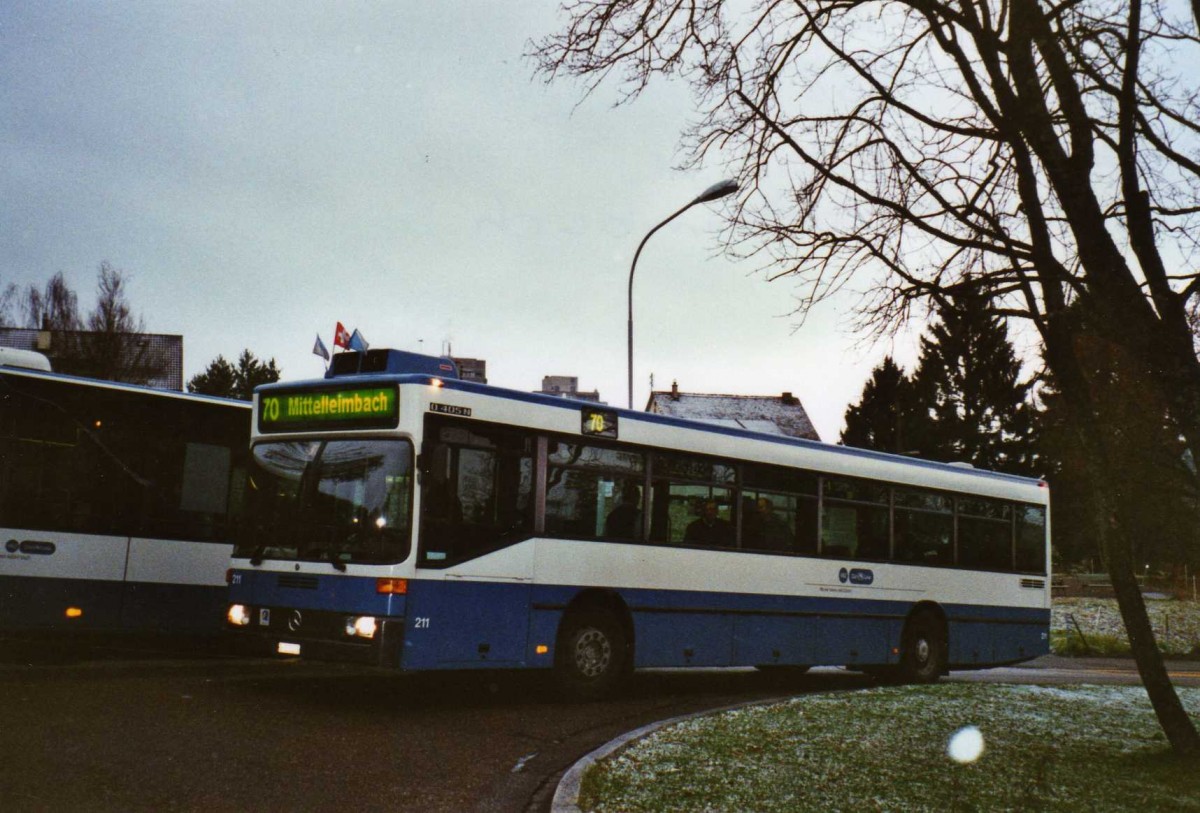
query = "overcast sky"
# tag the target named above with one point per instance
(263, 170)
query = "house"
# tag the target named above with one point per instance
(150, 359)
(771, 414)
(471, 369)
(566, 386)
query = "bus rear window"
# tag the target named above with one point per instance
(1031, 539)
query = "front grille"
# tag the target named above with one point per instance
(1038, 584)
(299, 625)
(295, 581)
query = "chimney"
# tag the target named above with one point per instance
(44, 336)
(674, 390)
(788, 399)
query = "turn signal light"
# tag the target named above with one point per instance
(74, 612)
(391, 587)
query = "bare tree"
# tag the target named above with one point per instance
(112, 313)
(8, 298)
(1044, 155)
(55, 307)
(116, 348)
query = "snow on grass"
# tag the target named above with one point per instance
(1044, 748)
(1176, 626)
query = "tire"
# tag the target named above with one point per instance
(591, 657)
(923, 650)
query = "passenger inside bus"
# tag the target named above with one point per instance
(709, 529)
(625, 521)
(775, 534)
(752, 528)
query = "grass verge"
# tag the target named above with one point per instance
(1047, 749)
(1093, 626)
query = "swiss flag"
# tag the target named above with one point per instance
(341, 337)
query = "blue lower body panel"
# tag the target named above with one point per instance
(462, 624)
(710, 629)
(456, 625)
(33, 604)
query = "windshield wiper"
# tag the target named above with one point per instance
(257, 558)
(337, 563)
(327, 555)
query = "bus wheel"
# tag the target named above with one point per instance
(923, 652)
(590, 658)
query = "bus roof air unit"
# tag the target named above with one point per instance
(15, 357)
(390, 361)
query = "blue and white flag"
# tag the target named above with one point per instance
(357, 342)
(319, 349)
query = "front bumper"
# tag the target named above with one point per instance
(316, 635)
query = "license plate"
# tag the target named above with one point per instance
(284, 648)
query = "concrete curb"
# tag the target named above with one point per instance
(566, 796)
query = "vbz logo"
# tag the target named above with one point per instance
(856, 575)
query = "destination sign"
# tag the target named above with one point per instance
(599, 422)
(357, 408)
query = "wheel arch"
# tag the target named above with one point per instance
(934, 612)
(598, 599)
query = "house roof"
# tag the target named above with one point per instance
(772, 414)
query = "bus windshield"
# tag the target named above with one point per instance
(341, 501)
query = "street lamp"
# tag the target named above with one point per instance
(717, 190)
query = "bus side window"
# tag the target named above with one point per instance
(593, 492)
(692, 501)
(855, 519)
(55, 476)
(779, 509)
(924, 527)
(985, 534)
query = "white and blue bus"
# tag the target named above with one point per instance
(115, 505)
(401, 517)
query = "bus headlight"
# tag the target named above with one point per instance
(238, 615)
(362, 626)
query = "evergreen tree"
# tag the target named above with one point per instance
(225, 380)
(250, 373)
(217, 379)
(974, 404)
(884, 415)
(965, 401)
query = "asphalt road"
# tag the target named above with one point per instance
(132, 731)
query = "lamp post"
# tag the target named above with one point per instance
(717, 190)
